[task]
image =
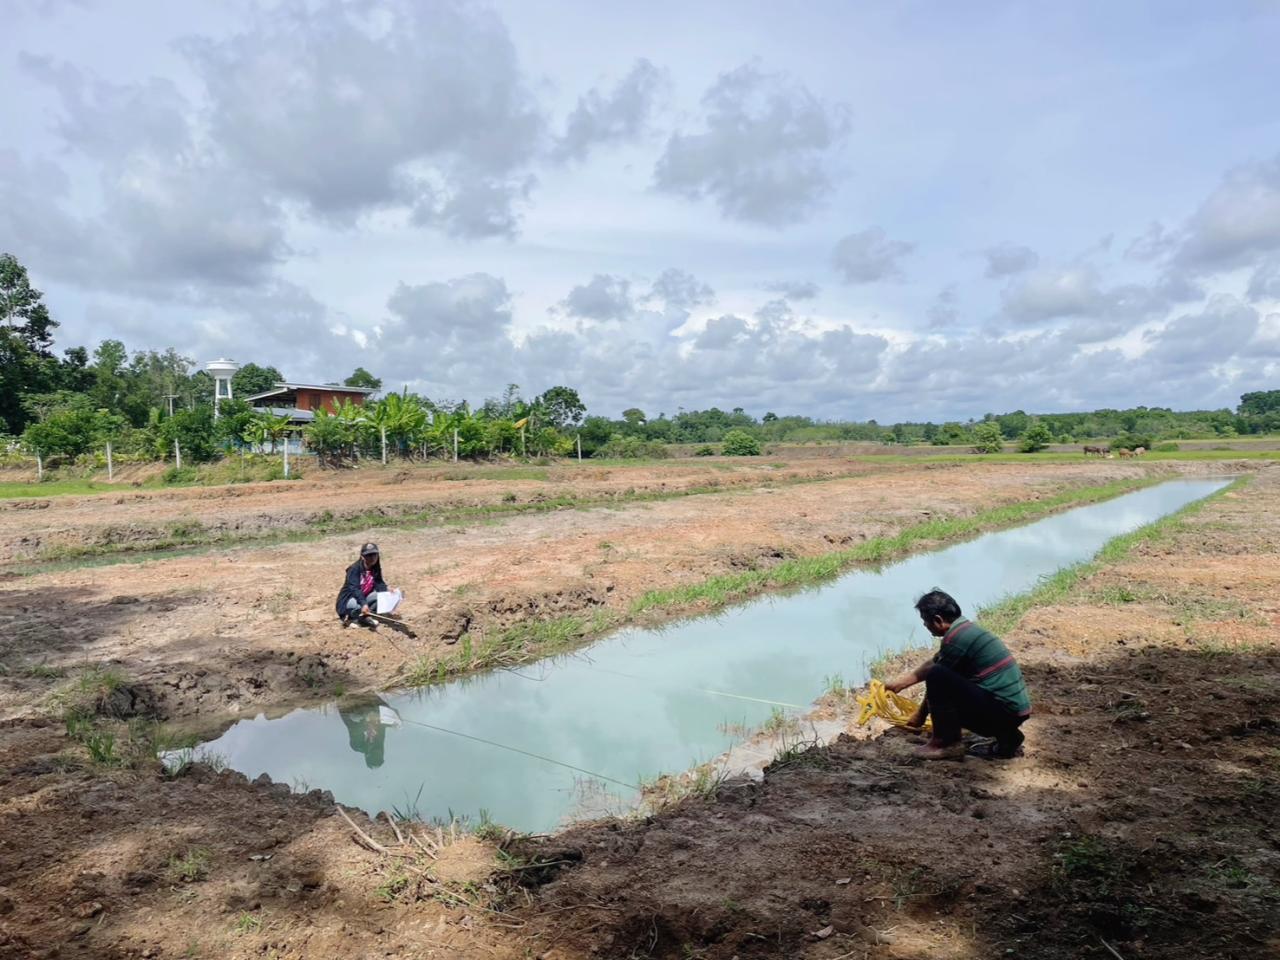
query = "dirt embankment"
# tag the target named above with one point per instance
(1142, 822)
(217, 633)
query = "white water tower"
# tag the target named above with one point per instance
(222, 370)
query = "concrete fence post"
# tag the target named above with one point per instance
(111, 475)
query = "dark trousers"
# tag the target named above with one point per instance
(956, 702)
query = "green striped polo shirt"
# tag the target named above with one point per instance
(982, 657)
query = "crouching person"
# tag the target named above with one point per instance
(359, 591)
(972, 683)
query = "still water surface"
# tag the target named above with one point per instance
(642, 702)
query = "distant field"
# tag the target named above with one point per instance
(18, 484)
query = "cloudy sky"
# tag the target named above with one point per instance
(891, 210)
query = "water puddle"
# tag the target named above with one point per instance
(577, 734)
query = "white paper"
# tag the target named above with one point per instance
(388, 600)
(387, 716)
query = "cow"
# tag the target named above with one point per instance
(1139, 451)
(1126, 453)
(1100, 451)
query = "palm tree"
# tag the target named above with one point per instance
(265, 427)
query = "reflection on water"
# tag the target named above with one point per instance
(367, 728)
(575, 734)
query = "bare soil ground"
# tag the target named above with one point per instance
(211, 634)
(1141, 823)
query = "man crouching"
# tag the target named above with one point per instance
(972, 683)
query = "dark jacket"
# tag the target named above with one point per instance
(351, 588)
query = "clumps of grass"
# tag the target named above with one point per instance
(703, 782)
(780, 723)
(247, 923)
(89, 694)
(800, 752)
(834, 686)
(100, 744)
(394, 883)
(190, 866)
(1088, 867)
(1234, 875)
(1127, 709)
(514, 645)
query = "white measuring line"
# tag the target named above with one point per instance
(714, 693)
(503, 746)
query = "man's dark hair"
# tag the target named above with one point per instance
(936, 603)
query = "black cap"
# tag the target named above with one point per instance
(369, 549)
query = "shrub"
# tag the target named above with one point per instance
(1036, 438)
(631, 448)
(987, 437)
(705, 451)
(1131, 441)
(739, 443)
(179, 475)
(1166, 448)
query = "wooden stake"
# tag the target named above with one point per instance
(110, 471)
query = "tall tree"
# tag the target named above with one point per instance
(26, 363)
(22, 310)
(561, 407)
(360, 377)
(251, 379)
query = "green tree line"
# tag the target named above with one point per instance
(142, 402)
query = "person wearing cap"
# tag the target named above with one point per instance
(359, 592)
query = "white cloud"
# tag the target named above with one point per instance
(1237, 223)
(679, 290)
(1006, 259)
(602, 299)
(765, 155)
(868, 256)
(794, 289)
(616, 117)
(173, 213)
(1222, 330)
(421, 105)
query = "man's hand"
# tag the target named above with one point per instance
(898, 684)
(364, 611)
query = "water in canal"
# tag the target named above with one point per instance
(515, 743)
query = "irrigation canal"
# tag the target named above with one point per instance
(575, 734)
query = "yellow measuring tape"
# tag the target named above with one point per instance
(890, 706)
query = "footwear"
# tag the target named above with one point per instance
(369, 622)
(994, 750)
(954, 751)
